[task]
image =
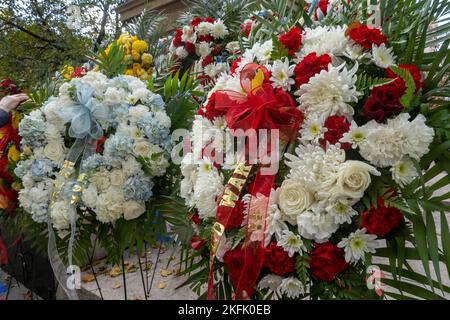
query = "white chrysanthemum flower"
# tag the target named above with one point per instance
(342, 211)
(263, 52)
(204, 28)
(203, 49)
(219, 30)
(315, 224)
(292, 288)
(271, 282)
(314, 167)
(330, 92)
(312, 129)
(404, 171)
(386, 144)
(282, 74)
(321, 40)
(291, 243)
(354, 135)
(214, 69)
(357, 244)
(382, 57)
(181, 52)
(274, 222)
(208, 189)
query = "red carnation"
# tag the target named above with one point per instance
(326, 261)
(210, 108)
(196, 21)
(336, 126)
(310, 66)
(365, 36)
(381, 220)
(277, 260)
(207, 60)
(210, 20)
(205, 38)
(190, 47)
(177, 39)
(415, 73)
(236, 217)
(384, 101)
(246, 28)
(234, 65)
(292, 40)
(234, 261)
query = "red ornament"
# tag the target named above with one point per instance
(326, 261)
(311, 65)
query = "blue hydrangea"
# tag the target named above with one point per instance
(41, 169)
(93, 162)
(157, 101)
(22, 168)
(119, 146)
(138, 187)
(32, 131)
(151, 127)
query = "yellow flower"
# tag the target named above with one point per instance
(16, 185)
(140, 46)
(129, 72)
(13, 154)
(136, 68)
(147, 58)
(144, 75)
(136, 55)
(17, 117)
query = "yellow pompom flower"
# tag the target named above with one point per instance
(147, 58)
(144, 75)
(13, 154)
(140, 46)
(136, 55)
(129, 72)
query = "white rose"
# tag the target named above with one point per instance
(117, 178)
(142, 148)
(353, 178)
(133, 209)
(54, 150)
(293, 199)
(61, 214)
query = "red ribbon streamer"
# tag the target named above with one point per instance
(260, 108)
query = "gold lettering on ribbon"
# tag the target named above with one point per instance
(229, 198)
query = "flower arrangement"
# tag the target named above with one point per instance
(90, 156)
(9, 152)
(68, 72)
(202, 43)
(139, 62)
(352, 143)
